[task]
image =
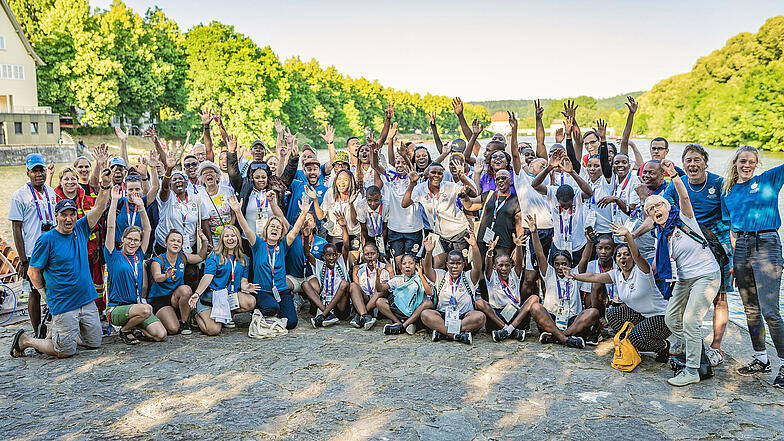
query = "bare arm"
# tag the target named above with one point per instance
(541, 149)
(592, 277)
(304, 206)
(103, 197)
(111, 219)
(406, 201)
(516, 162)
(427, 261)
(627, 130)
(236, 207)
(434, 129)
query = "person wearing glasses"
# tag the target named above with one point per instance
(128, 213)
(659, 149)
(501, 217)
(190, 165)
(216, 198)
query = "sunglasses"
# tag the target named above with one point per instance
(498, 155)
(131, 178)
(258, 165)
(191, 164)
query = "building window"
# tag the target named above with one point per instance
(49, 128)
(2, 42)
(18, 128)
(33, 128)
(11, 72)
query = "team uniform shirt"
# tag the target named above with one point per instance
(300, 176)
(66, 270)
(401, 220)
(184, 215)
(624, 190)
(561, 291)
(33, 209)
(599, 218)
(755, 203)
(167, 287)
(646, 243)
(691, 258)
(269, 265)
(374, 221)
(126, 276)
(501, 293)
(128, 215)
(639, 292)
(441, 208)
(329, 278)
(568, 223)
(218, 210)
(297, 190)
(368, 176)
(258, 208)
(332, 206)
(706, 201)
(367, 278)
(227, 276)
(533, 202)
(296, 266)
(462, 291)
(595, 267)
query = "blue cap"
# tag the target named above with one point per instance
(65, 204)
(117, 161)
(34, 160)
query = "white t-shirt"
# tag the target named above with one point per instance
(401, 220)
(218, 210)
(23, 208)
(498, 293)
(691, 258)
(257, 200)
(557, 288)
(329, 279)
(367, 277)
(441, 208)
(171, 217)
(639, 292)
(373, 219)
(532, 202)
(568, 224)
(624, 190)
(463, 298)
(601, 189)
(331, 206)
(594, 268)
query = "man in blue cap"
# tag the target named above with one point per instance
(59, 270)
(119, 168)
(31, 214)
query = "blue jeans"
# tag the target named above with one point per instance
(757, 263)
(265, 302)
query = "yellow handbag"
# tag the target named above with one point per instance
(626, 356)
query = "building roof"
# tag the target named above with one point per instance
(21, 34)
(497, 116)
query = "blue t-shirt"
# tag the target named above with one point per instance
(706, 201)
(754, 204)
(221, 274)
(63, 261)
(300, 176)
(126, 276)
(295, 258)
(262, 270)
(125, 218)
(297, 190)
(160, 289)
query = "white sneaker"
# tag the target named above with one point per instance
(715, 356)
(230, 324)
(683, 378)
(411, 329)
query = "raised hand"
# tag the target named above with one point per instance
(512, 122)
(329, 134)
(413, 176)
(392, 131)
(206, 115)
(117, 193)
(234, 204)
(353, 197)
(50, 170)
(631, 104)
(601, 129)
(390, 112)
(642, 191)
(279, 126)
(476, 128)
(619, 230)
(272, 198)
(556, 158)
(137, 200)
(492, 244)
(106, 178)
(310, 192)
(471, 238)
(202, 236)
(371, 139)
(457, 103)
(538, 109)
(518, 241)
(432, 118)
(531, 221)
(231, 144)
(669, 168)
(304, 204)
(340, 219)
(122, 136)
(559, 135)
(428, 244)
(566, 165)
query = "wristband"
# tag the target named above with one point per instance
(106, 188)
(146, 179)
(166, 177)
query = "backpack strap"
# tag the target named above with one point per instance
(691, 233)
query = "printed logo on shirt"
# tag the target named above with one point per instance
(677, 234)
(182, 265)
(712, 190)
(754, 187)
(631, 286)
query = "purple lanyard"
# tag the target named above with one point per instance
(36, 197)
(568, 232)
(375, 226)
(507, 291)
(567, 295)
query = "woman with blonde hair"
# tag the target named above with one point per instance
(225, 273)
(269, 248)
(751, 203)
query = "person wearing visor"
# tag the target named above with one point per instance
(31, 214)
(190, 164)
(59, 270)
(216, 198)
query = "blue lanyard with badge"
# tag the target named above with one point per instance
(511, 307)
(37, 198)
(272, 258)
(234, 298)
(489, 235)
(564, 307)
(452, 314)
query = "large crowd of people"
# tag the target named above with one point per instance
(580, 237)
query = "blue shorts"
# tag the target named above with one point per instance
(404, 243)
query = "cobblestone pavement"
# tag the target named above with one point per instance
(346, 384)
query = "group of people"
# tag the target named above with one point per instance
(581, 237)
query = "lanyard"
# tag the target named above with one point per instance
(595, 187)
(562, 178)
(619, 194)
(329, 283)
(563, 294)
(36, 197)
(507, 291)
(233, 261)
(195, 186)
(183, 210)
(608, 286)
(259, 205)
(132, 220)
(498, 207)
(435, 204)
(272, 257)
(395, 176)
(566, 235)
(135, 268)
(367, 279)
(376, 226)
(455, 286)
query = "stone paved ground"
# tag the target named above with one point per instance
(346, 384)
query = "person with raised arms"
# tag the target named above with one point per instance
(127, 276)
(269, 247)
(454, 317)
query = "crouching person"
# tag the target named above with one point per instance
(407, 296)
(454, 317)
(59, 269)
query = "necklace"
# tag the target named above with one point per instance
(701, 188)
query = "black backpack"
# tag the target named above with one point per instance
(708, 239)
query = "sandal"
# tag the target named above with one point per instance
(16, 351)
(141, 336)
(128, 338)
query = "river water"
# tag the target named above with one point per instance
(13, 177)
